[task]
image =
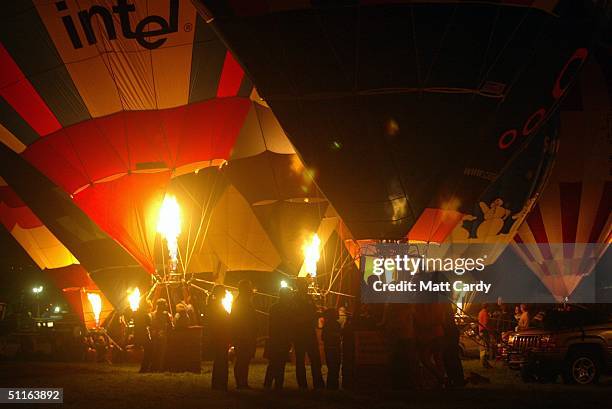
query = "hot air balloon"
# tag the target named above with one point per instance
(164, 102)
(570, 227)
(253, 214)
(112, 268)
(499, 211)
(282, 195)
(406, 112)
(51, 256)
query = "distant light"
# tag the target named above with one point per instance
(57, 309)
(284, 284)
(38, 290)
(49, 324)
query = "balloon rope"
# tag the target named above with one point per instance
(204, 211)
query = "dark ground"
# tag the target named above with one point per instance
(93, 386)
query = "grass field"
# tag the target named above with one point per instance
(93, 386)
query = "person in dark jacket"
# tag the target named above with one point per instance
(279, 341)
(161, 324)
(332, 341)
(244, 328)
(142, 336)
(182, 319)
(219, 327)
(305, 341)
(451, 354)
(399, 327)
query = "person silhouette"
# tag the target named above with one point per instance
(218, 324)
(305, 341)
(244, 330)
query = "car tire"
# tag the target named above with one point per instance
(582, 367)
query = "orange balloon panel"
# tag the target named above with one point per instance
(85, 308)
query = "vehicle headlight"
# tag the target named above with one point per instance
(511, 339)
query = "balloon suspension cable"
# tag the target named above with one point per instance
(339, 270)
(212, 283)
(234, 288)
(203, 213)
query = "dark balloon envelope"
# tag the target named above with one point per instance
(406, 112)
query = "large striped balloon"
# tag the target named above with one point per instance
(27, 229)
(570, 227)
(110, 99)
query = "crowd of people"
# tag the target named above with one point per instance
(293, 321)
(422, 340)
(152, 328)
(419, 342)
(493, 322)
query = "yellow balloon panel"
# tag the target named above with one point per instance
(43, 247)
(128, 76)
(235, 238)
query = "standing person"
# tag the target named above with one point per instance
(428, 320)
(192, 311)
(332, 342)
(516, 317)
(348, 353)
(305, 320)
(524, 320)
(244, 329)
(161, 324)
(142, 335)
(279, 341)
(218, 322)
(181, 318)
(485, 336)
(101, 347)
(398, 322)
(506, 318)
(451, 351)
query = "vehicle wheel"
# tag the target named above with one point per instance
(582, 367)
